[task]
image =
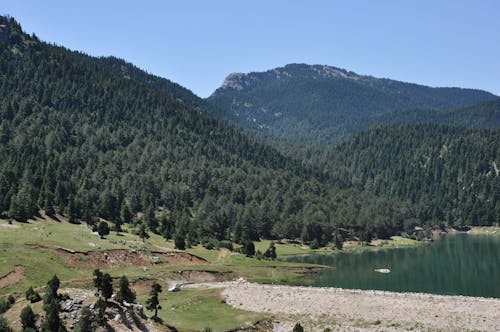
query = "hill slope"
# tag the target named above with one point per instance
(483, 115)
(325, 105)
(450, 175)
(80, 137)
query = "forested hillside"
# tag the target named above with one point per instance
(449, 174)
(323, 105)
(82, 138)
(483, 115)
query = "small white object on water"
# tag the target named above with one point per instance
(382, 270)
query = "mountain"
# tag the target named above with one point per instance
(96, 137)
(322, 105)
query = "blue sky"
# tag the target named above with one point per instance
(198, 43)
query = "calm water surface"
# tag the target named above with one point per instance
(458, 264)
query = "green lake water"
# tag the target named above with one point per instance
(458, 264)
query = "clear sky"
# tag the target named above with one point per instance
(198, 43)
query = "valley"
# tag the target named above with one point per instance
(128, 203)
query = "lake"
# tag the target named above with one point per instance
(456, 264)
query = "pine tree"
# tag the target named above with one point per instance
(28, 318)
(153, 302)
(52, 322)
(107, 286)
(271, 251)
(98, 278)
(103, 229)
(124, 292)
(143, 232)
(100, 307)
(85, 324)
(179, 241)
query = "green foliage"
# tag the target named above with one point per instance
(32, 296)
(98, 279)
(106, 286)
(28, 318)
(143, 232)
(103, 229)
(86, 322)
(248, 248)
(52, 322)
(4, 325)
(124, 292)
(53, 286)
(179, 242)
(104, 283)
(298, 328)
(51, 291)
(225, 244)
(100, 307)
(338, 241)
(153, 302)
(448, 174)
(4, 306)
(270, 253)
(97, 137)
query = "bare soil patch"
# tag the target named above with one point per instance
(205, 276)
(124, 257)
(13, 277)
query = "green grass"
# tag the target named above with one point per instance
(188, 310)
(195, 309)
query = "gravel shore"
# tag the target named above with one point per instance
(361, 310)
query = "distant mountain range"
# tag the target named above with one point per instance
(321, 105)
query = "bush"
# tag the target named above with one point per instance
(4, 306)
(11, 299)
(298, 328)
(209, 244)
(226, 244)
(179, 242)
(248, 248)
(314, 244)
(32, 296)
(4, 325)
(28, 318)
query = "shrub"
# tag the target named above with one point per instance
(298, 328)
(4, 306)
(4, 325)
(226, 244)
(179, 242)
(248, 248)
(32, 296)
(314, 244)
(28, 318)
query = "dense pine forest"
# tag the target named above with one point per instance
(80, 138)
(96, 138)
(450, 175)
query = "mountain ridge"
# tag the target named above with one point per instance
(292, 101)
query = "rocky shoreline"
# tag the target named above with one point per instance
(347, 309)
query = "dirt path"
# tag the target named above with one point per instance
(342, 309)
(13, 277)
